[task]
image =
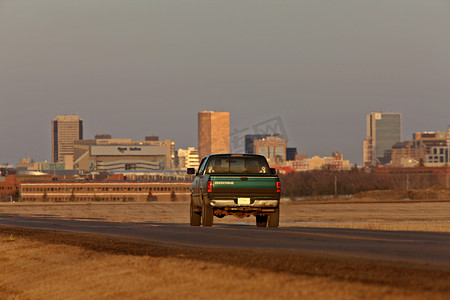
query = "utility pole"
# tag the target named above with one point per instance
(448, 157)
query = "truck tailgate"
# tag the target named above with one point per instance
(256, 187)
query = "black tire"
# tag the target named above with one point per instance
(274, 218)
(261, 221)
(207, 214)
(196, 218)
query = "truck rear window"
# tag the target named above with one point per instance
(237, 165)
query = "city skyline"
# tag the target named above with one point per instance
(390, 130)
(148, 68)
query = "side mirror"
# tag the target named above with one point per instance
(190, 171)
(273, 171)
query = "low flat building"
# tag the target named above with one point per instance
(8, 187)
(426, 149)
(320, 163)
(408, 154)
(106, 155)
(66, 166)
(116, 191)
(438, 156)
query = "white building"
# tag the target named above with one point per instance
(188, 158)
(319, 163)
(123, 155)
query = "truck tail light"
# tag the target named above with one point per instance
(209, 186)
(278, 187)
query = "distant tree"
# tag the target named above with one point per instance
(421, 162)
(173, 197)
(16, 195)
(321, 182)
(150, 196)
(72, 196)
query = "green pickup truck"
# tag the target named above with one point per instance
(240, 185)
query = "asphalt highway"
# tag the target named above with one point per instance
(418, 247)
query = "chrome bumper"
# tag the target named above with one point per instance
(222, 203)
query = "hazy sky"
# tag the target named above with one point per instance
(135, 68)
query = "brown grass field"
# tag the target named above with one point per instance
(52, 265)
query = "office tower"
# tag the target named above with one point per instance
(383, 131)
(273, 148)
(250, 138)
(65, 130)
(213, 133)
(291, 152)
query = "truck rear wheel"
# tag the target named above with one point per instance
(207, 214)
(261, 221)
(274, 218)
(196, 218)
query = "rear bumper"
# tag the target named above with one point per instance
(232, 203)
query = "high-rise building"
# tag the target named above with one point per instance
(383, 131)
(213, 133)
(66, 129)
(291, 152)
(250, 138)
(273, 148)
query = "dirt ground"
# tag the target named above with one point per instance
(55, 265)
(38, 264)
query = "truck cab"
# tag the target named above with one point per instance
(241, 185)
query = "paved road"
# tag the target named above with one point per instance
(421, 247)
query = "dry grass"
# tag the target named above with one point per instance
(398, 215)
(36, 270)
